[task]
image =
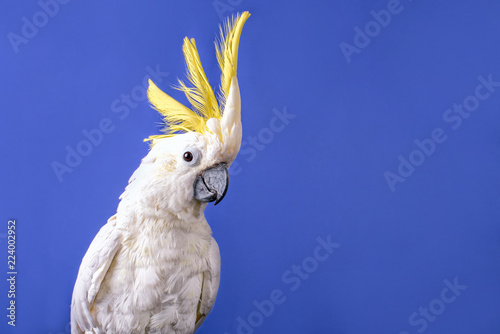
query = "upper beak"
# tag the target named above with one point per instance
(211, 185)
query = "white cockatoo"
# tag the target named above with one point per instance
(154, 267)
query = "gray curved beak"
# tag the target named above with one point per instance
(211, 185)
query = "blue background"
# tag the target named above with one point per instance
(321, 175)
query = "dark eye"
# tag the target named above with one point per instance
(191, 156)
(188, 156)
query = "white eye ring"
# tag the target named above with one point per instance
(191, 156)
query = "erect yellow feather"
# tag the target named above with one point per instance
(201, 96)
(176, 115)
(179, 118)
(227, 53)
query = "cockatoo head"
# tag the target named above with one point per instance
(191, 160)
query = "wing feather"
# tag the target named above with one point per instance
(93, 269)
(210, 284)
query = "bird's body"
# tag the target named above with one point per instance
(155, 267)
(163, 283)
(155, 262)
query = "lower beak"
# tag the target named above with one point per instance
(211, 185)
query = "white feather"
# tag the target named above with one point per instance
(154, 265)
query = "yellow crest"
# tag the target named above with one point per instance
(179, 118)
